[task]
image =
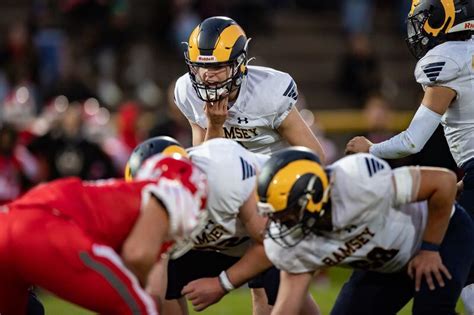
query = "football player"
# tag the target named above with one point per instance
(95, 241)
(399, 227)
(222, 96)
(229, 251)
(440, 36)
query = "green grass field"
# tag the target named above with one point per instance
(238, 302)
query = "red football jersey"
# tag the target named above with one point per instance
(105, 209)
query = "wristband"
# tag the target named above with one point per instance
(225, 282)
(429, 246)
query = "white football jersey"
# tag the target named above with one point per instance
(369, 232)
(451, 64)
(266, 97)
(231, 174)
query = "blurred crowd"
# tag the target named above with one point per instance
(79, 90)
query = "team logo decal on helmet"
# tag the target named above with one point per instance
(432, 22)
(293, 191)
(217, 42)
(163, 144)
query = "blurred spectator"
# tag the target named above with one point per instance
(330, 149)
(18, 57)
(357, 16)
(359, 72)
(254, 16)
(185, 18)
(19, 107)
(49, 40)
(18, 168)
(64, 151)
(171, 122)
(75, 82)
(127, 136)
(378, 114)
(19, 61)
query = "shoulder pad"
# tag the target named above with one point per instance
(433, 69)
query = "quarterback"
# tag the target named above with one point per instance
(399, 228)
(222, 96)
(93, 243)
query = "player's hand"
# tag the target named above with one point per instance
(427, 264)
(203, 292)
(216, 112)
(358, 145)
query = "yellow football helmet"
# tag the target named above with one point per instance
(432, 22)
(217, 42)
(293, 192)
(163, 144)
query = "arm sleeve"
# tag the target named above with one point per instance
(412, 140)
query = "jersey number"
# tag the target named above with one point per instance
(376, 258)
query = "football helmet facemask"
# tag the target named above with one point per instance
(432, 22)
(216, 43)
(293, 190)
(163, 144)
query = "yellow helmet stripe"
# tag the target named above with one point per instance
(193, 47)
(172, 149)
(449, 15)
(128, 173)
(279, 189)
(414, 3)
(226, 41)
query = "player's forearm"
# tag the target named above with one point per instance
(214, 132)
(303, 136)
(251, 264)
(413, 139)
(157, 281)
(139, 267)
(314, 144)
(292, 293)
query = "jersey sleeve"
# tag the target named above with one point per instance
(180, 204)
(361, 188)
(295, 259)
(286, 95)
(261, 159)
(182, 99)
(231, 180)
(437, 70)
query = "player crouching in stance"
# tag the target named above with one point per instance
(93, 243)
(229, 251)
(397, 227)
